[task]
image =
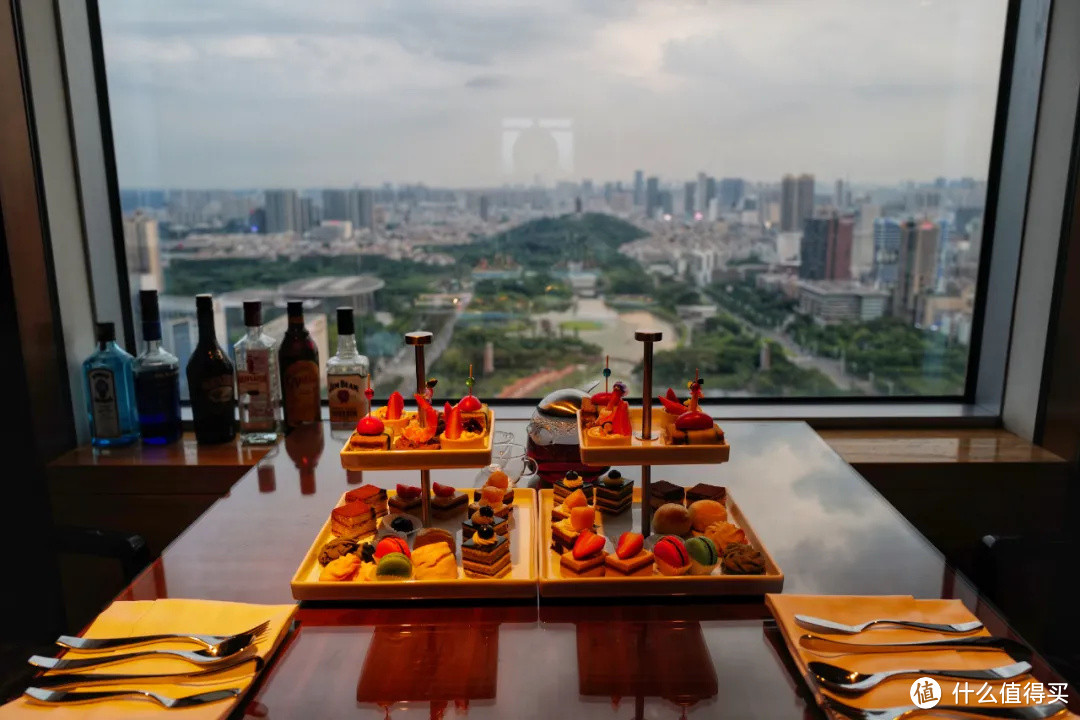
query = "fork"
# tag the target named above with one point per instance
(199, 657)
(65, 696)
(72, 680)
(210, 642)
(822, 625)
(1019, 712)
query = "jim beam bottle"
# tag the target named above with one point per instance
(346, 376)
(298, 360)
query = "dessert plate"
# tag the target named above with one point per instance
(649, 452)
(553, 584)
(419, 459)
(520, 583)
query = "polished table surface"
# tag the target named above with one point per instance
(829, 531)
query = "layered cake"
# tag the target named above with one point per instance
(567, 484)
(373, 496)
(352, 520)
(406, 499)
(491, 496)
(485, 554)
(662, 492)
(565, 532)
(630, 558)
(446, 501)
(371, 434)
(704, 491)
(485, 517)
(573, 500)
(614, 493)
(587, 557)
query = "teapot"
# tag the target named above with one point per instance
(553, 437)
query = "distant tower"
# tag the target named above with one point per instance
(484, 207)
(489, 358)
(282, 211)
(577, 205)
(652, 196)
(796, 201)
(765, 356)
(701, 193)
(639, 188)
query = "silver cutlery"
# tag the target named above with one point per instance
(822, 625)
(1016, 650)
(68, 696)
(219, 643)
(1016, 712)
(851, 682)
(59, 681)
(199, 657)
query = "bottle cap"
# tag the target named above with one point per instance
(105, 332)
(295, 308)
(345, 321)
(204, 302)
(252, 313)
(148, 304)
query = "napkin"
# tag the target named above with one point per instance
(855, 609)
(151, 617)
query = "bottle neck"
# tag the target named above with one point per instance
(254, 332)
(106, 345)
(206, 330)
(346, 345)
(153, 346)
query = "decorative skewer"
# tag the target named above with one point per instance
(607, 371)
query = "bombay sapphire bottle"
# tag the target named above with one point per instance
(157, 380)
(109, 385)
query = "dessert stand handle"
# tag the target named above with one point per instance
(647, 337)
(418, 339)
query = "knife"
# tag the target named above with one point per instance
(1017, 650)
(57, 681)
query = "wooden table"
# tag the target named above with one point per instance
(827, 528)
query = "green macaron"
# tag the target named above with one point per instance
(703, 555)
(394, 566)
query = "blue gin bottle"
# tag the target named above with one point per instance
(109, 385)
(157, 380)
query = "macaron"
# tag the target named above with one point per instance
(394, 566)
(391, 544)
(671, 556)
(703, 555)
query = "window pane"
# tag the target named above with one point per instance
(793, 192)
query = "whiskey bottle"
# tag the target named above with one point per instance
(210, 381)
(298, 359)
(257, 388)
(157, 380)
(109, 386)
(346, 376)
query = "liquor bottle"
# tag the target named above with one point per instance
(210, 381)
(157, 380)
(298, 359)
(110, 392)
(346, 376)
(257, 388)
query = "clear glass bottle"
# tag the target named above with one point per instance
(157, 380)
(109, 386)
(346, 376)
(257, 388)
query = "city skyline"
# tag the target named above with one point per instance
(421, 92)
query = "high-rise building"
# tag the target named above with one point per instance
(888, 233)
(652, 196)
(282, 211)
(143, 254)
(916, 266)
(701, 194)
(825, 250)
(639, 188)
(838, 195)
(335, 205)
(731, 192)
(484, 207)
(690, 199)
(796, 201)
(667, 202)
(710, 190)
(308, 215)
(355, 205)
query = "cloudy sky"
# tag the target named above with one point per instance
(264, 93)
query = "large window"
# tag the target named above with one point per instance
(792, 191)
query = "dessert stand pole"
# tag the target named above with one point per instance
(418, 339)
(647, 337)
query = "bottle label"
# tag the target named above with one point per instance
(253, 387)
(104, 410)
(346, 396)
(218, 392)
(302, 392)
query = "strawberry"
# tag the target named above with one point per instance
(469, 403)
(601, 398)
(395, 406)
(453, 422)
(582, 518)
(443, 491)
(428, 414)
(407, 492)
(620, 423)
(576, 499)
(670, 395)
(629, 545)
(671, 550)
(369, 425)
(671, 403)
(588, 543)
(693, 420)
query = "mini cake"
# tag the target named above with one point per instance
(662, 492)
(352, 520)
(474, 414)
(422, 431)
(336, 548)
(340, 569)
(671, 519)
(492, 497)
(446, 501)
(724, 534)
(405, 500)
(612, 425)
(704, 513)
(434, 561)
(373, 496)
(573, 500)
(499, 479)
(486, 555)
(565, 532)
(586, 559)
(455, 436)
(704, 491)
(741, 559)
(430, 536)
(371, 434)
(630, 558)
(393, 414)
(568, 484)
(484, 516)
(673, 407)
(391, 544)
(693, 427)
(671, 556)
(614, 493)
(703, 555)
(394, 566)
